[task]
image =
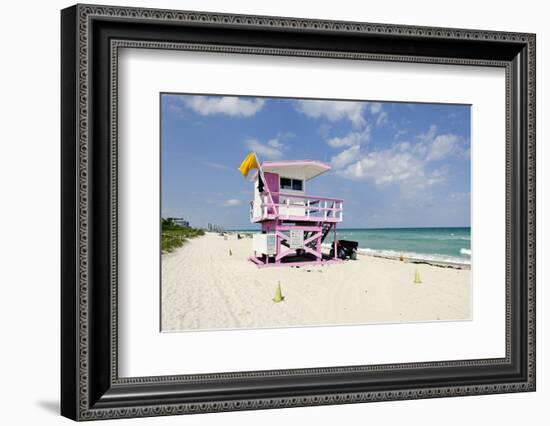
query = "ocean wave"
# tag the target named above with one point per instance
(465, 251)
(454, 238)
(420, 257)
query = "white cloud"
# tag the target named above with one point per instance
(286, 135)
(271, 150)
(274, 143)
(437, 147)
(382, 118)
(228, 105)
(232, 202)
(442, 146)
(438, 175)
(403, 163)
(459, 196)
(419, 149)
(218, 166)
(351, 139)
(375, 107)
(404, 146)
(378, 113)
(453, 115)
(333, 110)
(345, 157)
(398, 134)
(429, 135)
(173, 105)
(385, 167)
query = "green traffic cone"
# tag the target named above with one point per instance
(278, 294)
(417, 277)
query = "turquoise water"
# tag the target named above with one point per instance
(439, 244)
(430, 244)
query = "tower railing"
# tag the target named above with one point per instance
(298, 207)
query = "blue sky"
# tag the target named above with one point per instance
(395, 164)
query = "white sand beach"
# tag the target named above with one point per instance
(204, 288)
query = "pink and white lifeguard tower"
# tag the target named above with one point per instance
(294, 225)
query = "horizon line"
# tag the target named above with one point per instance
(382, 227)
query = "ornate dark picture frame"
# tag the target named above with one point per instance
(90, 385)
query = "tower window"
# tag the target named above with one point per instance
(297, 184)
(293, 184)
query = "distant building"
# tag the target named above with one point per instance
(179, 221)
(212, 227)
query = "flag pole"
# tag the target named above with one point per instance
(262, 176)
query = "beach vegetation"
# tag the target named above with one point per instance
(174, 236)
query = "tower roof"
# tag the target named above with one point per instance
(298, 169)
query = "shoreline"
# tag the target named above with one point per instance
(437, 263)
(209, 284)
(410, 257)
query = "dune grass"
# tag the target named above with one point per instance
(174, 236)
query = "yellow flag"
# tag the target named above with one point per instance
(248, 164)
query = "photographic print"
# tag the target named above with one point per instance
(281, 212)
(361, 193)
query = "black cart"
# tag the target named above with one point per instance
(346, 249)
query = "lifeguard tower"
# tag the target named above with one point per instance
(294, 225)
